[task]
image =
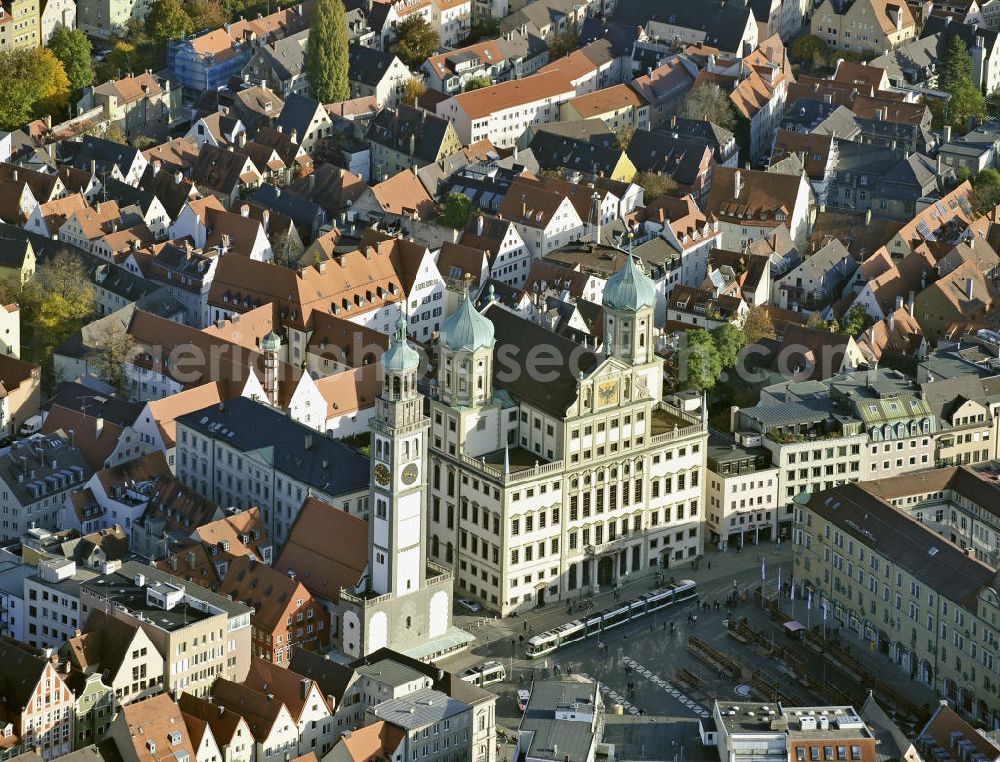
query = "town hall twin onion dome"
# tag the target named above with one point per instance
(400, 356)
(466, 330)
(629, 289)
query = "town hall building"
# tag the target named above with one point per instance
(556, 471)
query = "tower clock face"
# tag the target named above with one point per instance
(409, 474)
(382, 474)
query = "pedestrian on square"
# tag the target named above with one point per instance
(709, 564)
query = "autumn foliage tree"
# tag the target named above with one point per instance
(413, 90)
(33, 84)
(758, 325)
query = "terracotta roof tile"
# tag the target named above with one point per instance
(327, 548)
(165, 411)
(154, 719)
(478, 104)
(403, 194)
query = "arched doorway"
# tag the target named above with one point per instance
(606, 571)
(883, 641)
(572, 576)
(951, 690)
(982, 711)
(899, 655)
(925, 674)
(967, 700)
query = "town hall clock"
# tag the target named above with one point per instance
(409, 474)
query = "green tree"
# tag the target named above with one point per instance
(563, 43)
(477, 83)
(205, 14)
(415, 41)
(457, 208)
(956, 65)
(758, 325)
(856, 321)
(986, 190)
(326, 53)
(937, 107)
(19, 89)
(167, 20)
(115, 134)
(288, 250)
(810, 51)
(111, 352)
(483, 28)
(655, 185)
(700, 365)
(123, 58)
(729, 340)
(966, 99)
(68, 298)
(33, 83)
(624, 135)
(72, 48)
(707, 101)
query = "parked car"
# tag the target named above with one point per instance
(522, 698)
(473, 607)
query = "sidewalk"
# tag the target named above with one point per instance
(715, 575)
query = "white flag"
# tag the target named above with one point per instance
(809, 600)
(793, 588)
(824, 610)
(763, 574)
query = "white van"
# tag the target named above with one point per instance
(31, 426)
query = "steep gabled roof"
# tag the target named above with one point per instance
(553, 396)
(327, 548)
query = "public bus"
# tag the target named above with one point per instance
(596, 623)
(487, 673)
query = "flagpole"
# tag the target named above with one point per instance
(809, 609)
(792, 591)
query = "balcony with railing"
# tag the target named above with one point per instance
(435, 575)
(669, 422)
(511, 466)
